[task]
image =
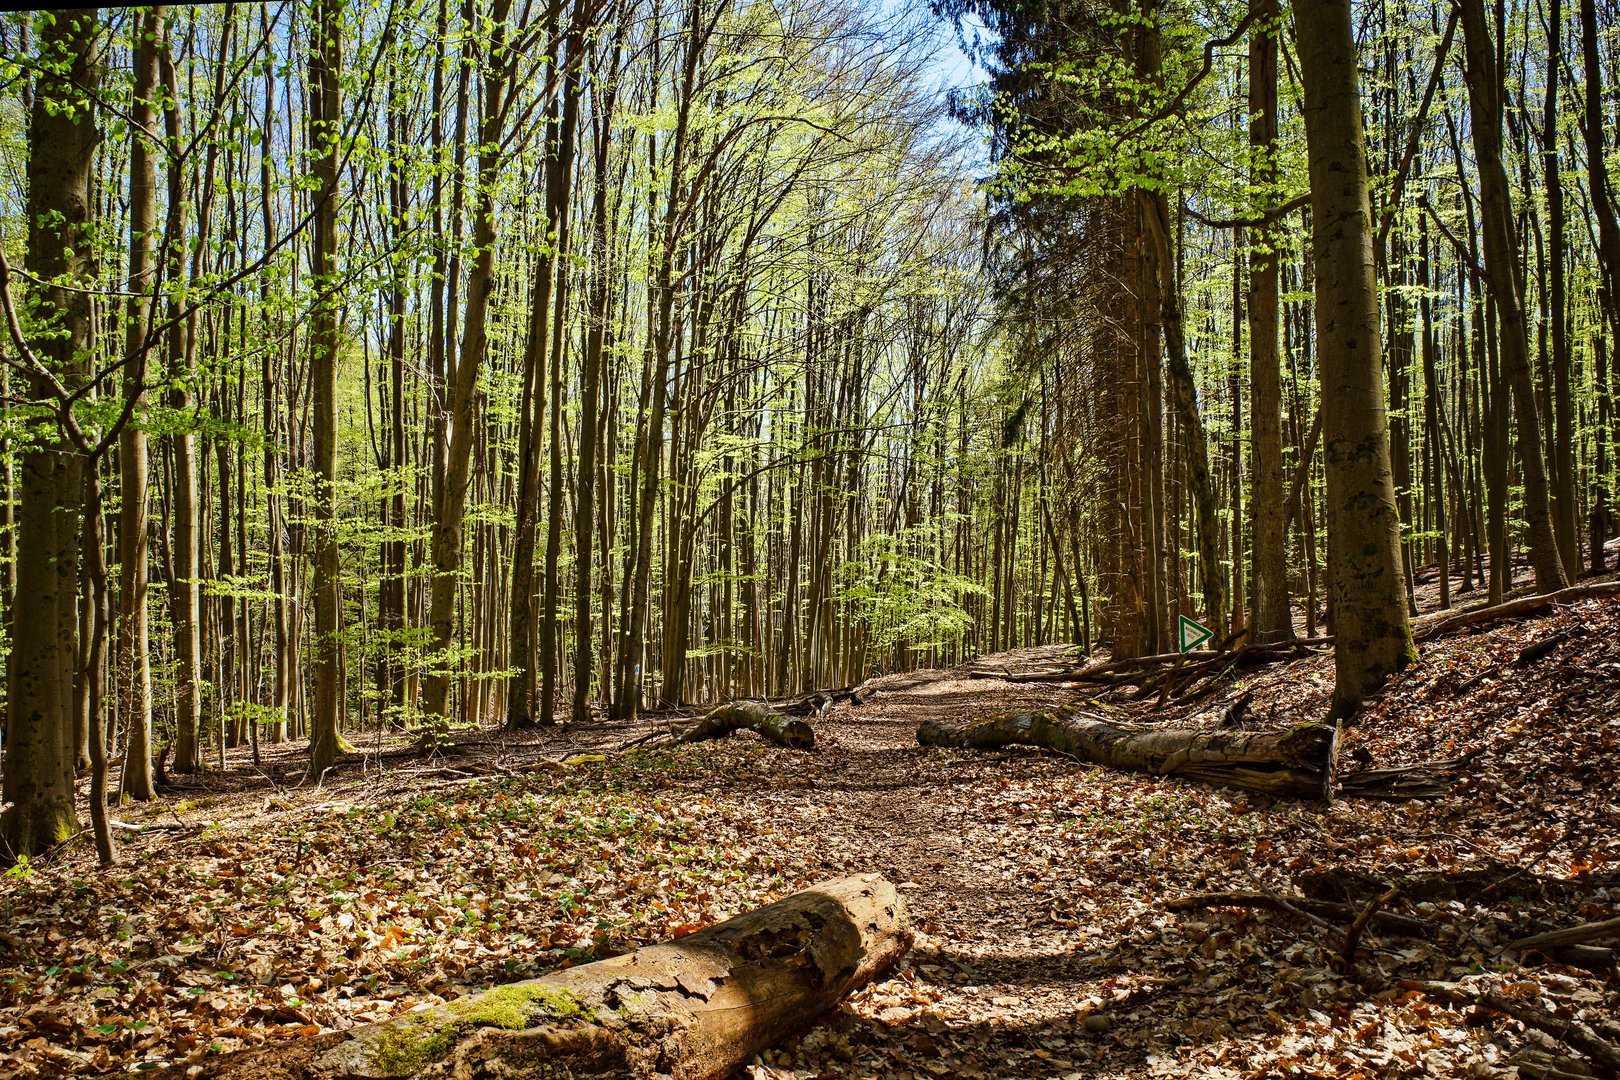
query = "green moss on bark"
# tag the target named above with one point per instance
(406, 1048)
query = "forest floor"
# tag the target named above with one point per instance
(250, 912)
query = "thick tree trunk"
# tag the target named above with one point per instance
(39, 752)
(756, 717)
(693, 1009)
(1364, 563)
(1297, 763)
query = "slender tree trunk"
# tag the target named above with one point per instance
(325, 130)
(1502, 266)
(452, 503)
(1373, 637)
(560, 186)
(1268, 528)
(1433, 432)
(1603, 208)
(184, 595)
(599, 304)
(1565, 508)
(132, 661)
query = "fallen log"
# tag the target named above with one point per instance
(1402, 783)
(693, 1009)
(1297, 763)
(751, 716)
(1435, 626)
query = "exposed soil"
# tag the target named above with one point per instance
(1038, 885)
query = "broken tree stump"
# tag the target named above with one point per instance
(1297, 763)
(692, 1009)
(752, 716)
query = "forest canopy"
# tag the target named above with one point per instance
(401, 369)
(519, 517)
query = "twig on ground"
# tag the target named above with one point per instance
(1352, 936)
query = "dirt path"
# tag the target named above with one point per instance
(1002, 981)
(256, 911)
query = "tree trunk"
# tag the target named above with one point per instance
(693, 1009)
(1297, 763)
(521, 634)
(1608, 221)
(185, 596)
(599, 303)
(1272, 618)
(560, 185)
(452, 502)
(132, 660)
(1565, 509)
(1502, 268)
(324, 123)
(1374, 638)
(39, 754)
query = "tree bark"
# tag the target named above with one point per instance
(1272, 619)
(752, 716)
(693, 1009)
(1297, 763)
(39, 752)
(132, 660)
(1502, 268)
(1374, 638)
(325, 128)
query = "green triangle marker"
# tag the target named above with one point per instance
(1191, 634)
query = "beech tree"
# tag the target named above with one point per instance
(55, 323)
(1372, 636)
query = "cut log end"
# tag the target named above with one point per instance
(693, 1009)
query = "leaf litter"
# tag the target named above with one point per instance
(1038, 886)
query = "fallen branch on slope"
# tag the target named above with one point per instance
(1573, 935)
(1431, 627)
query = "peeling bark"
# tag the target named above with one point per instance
(692, 1009)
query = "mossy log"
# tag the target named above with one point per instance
(692, 1009)
(752, 716)
(1297, 763)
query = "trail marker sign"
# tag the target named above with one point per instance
(1191, 634)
